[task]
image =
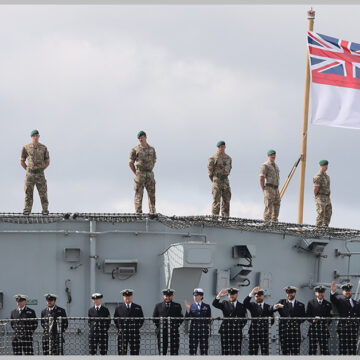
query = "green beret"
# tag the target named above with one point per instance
(271, 152)
(34, 132)
(141, 133)
(323, 162)
(221, 142)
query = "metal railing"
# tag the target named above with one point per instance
(153, 336)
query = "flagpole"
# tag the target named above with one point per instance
(311, 17)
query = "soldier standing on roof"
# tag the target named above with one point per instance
(269, 182)
(219, 167)
(322, 195)
(35, 159)
(144, 156)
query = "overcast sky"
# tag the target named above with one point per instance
(90, 77)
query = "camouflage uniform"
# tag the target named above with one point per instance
(270, 171)
(36, 157)
(322, 199)
(145, 158)
(219, 167)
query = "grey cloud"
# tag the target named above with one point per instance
(89, 77)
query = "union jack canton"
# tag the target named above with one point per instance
(334, 61)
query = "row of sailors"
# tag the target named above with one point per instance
(129, 318)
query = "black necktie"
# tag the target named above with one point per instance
(290, 307)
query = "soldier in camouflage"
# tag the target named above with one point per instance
(219, 167)
(269, 182)
(322, 195)
(35, 159)
(144, 156)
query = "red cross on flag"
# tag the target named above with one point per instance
(335, 81)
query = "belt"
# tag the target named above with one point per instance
(221, 177)
(143, 170)
(31, 171)
(272, 186)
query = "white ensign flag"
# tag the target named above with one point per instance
(335, 81)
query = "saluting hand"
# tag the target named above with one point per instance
(187, 305)
(222, 293)
(255, 290)
(278, 306)
(333, 286)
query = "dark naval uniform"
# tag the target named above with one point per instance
(128, 329)
(22, 342)
(259, 329)
(53, 329)
(319, 329)
(347, 328)
(290, 333)
(99, 324)
(199, 329)
(231, 330)
(173, 310)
